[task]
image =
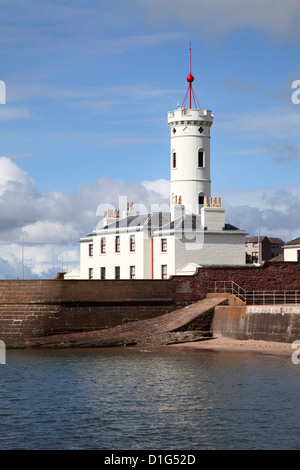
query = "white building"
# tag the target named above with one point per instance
(161, 244)
(291, 250)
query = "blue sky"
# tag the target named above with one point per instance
(88, 88)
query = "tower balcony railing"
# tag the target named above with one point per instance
(262, 297)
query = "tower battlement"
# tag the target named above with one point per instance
(186, 114)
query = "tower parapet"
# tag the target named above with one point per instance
(178, 116)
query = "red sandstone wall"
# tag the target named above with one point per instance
(43, 307)
(270, 276)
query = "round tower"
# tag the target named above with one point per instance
(190, 154)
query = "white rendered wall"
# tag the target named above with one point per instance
(163, 258)
(213, 218)
(124, 259)
(200, 248)
(291, 253)
(187, 179)
(217, 248)
(84, 258)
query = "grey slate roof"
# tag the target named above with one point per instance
(295, 241)
(160, 221)
(230, 227)
(185, 222)
(190, 222)
(271, 240)
(154, 220)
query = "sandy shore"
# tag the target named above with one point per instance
(239, 346)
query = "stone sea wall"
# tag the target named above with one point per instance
(33, 308)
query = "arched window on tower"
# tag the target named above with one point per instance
(173, 159)
(201, 159)
(201, 199)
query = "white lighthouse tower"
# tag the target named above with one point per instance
(190, 154)
(193, 234)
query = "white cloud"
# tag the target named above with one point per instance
(159, 186)
(69, 27)
(53, 222)
(267, 123)
(9, 113)
(11, 175)
(57, 219)
(280, 206)
(44, 231)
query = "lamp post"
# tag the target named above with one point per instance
(259, 244)
(23, 254)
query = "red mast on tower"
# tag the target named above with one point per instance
(190, 91)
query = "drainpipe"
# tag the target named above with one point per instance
(152, 256)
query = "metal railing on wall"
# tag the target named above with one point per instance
(266, 297)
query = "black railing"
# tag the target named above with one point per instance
(266, 297)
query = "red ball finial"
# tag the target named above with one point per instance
(190, 78)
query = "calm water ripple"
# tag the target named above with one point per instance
(137, 399)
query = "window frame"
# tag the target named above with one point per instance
(164, 271)
(201, 195)
(174, 160)
(91, 249)
(117, 272)
(164, 245)
(117, 244)
(132, 245)
(132, 272)
(103, 245)
(202, 152)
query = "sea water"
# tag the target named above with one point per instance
(139, 399)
